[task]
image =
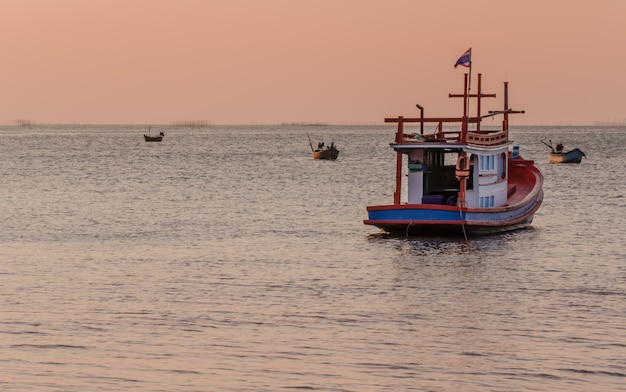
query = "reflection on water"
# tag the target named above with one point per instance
(225, 258)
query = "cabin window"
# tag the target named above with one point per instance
(502, 166)
(487, 162)
(487, 201)
(470, 181)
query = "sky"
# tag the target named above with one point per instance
(319, 61)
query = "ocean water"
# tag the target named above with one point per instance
(226, 259)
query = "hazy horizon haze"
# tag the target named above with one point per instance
(280, 61)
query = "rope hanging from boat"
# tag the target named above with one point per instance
(460, 203)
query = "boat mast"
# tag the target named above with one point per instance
(465, 114)
(399, 134)
(466, 96)
(479, 95)
(505, 121)
(507, 110)
(463, 158)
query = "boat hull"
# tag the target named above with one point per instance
(152, 138)
(420, 219)
(330, 154)
(572, 156)
(434, 219)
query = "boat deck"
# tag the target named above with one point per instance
(521, 181)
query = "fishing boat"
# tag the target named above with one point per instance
(150, 138)
(328, 152)
(460, 181)
(557, 155)
(322, 151)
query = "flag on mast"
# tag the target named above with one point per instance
(465, 59)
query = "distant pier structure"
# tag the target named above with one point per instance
(191, 123)
(621, 122)
(22, 122)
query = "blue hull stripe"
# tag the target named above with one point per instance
(430, 216)
(412, 214)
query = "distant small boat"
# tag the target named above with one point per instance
(324, 152)
(149, 138)
(557, 155)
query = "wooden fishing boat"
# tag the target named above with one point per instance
(571, 156)
(460, 181)
(322, 151)
(557, 155)
(150, 138)
(328, 152)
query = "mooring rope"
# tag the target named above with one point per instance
(407, 229)
(462, 220)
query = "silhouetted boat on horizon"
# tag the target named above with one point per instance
(150, 138)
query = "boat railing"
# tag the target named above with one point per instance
(485, 138)
(488, 138)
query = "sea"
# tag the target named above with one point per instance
(226, 259)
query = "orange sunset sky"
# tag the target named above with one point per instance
(330, 61)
